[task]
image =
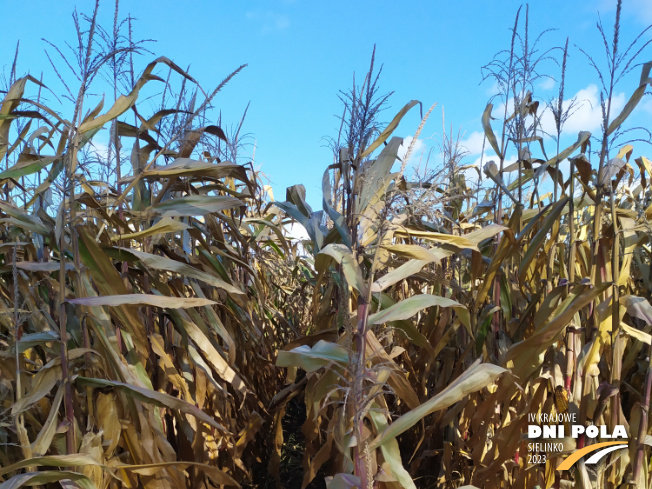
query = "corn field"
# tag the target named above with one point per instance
(159, 328)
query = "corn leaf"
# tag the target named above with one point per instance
(478, 376)
(407, 308)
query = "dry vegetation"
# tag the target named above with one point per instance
(158, 330)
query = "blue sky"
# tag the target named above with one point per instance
(300, 53)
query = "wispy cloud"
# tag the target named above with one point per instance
(641, 10)
(548, 83)
(646, 104)
(491, 87)
(269, 21)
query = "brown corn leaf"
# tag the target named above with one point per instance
(163, 263)
(194, 205)
(390, 128)
(46, 477)
(488, 131)
(142, 299)
(152, 397)
(345, 257)
(476, 377)
(165, 225)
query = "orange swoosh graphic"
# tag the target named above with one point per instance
(571, 459)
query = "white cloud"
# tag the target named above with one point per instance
(587, 115)
(296, 231)
(499, 110)
(473, 143)
(417, 150)
(471, 172)
(486, 157)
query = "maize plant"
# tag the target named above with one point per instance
(158, 327)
